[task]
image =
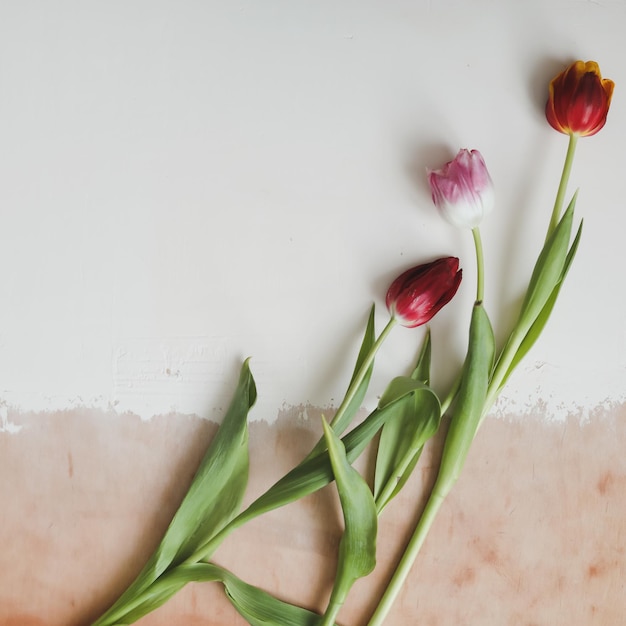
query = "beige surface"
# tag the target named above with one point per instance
(534, 534)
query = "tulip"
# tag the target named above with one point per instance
(462, 189)
(419, 293)
(579, 99)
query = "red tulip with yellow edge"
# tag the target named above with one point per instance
(579, 99)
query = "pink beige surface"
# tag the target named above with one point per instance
(534, 534)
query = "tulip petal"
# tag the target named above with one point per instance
(579, 99)
(462, 189)
(418, 294)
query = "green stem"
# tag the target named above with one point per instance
(502, 367)
(447, 401)
(480, 265)
(358, 379)
(517, 335)
(480, 294)
(410, 554)
(560, 195)
(328, 619)
(208, 548)
(245, 516)
(447, 476)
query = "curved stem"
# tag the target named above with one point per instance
(517, 335)
(502, 367)
(480, 265)
(442, 486)
(329, 617)
(249, 513)
(449, 399)
(358, 379)
(560, 194)
(408, 558)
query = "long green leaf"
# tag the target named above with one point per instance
(354, 405)
(470, 400)
(548, 269)
(218, 487)
(258, 607)
(357, 548)
(315, 473)
(416, 420)
(537, 328)
(212, 500)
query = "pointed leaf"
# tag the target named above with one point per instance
(398, 388)
(357, 548)
(548, 269)
(421, 371)
(258, 607)
(537, 327)
(212, 500)
(315, 473)
(354, 405)
(470, 400)
(416, 420)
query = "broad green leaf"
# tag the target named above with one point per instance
(548, 269)
(354, 405)
(212, 500)
(398, 388)
(403, 437)
(258, 607)
(315, 473)
(537, 327)
(357, 548)
(218, 487)
(416, 420)
(470, 400)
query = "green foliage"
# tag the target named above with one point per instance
(470, 400)
(541, 320)
(314, 473)
(417, 415)
(548, 271)
(258, 607)
(340, 425)
(357, 548)
(213, 499)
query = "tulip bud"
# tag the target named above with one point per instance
(462, 189)
(579, 99)
(416, 295)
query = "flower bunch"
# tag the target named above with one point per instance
(408, 414)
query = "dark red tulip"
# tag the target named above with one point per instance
(419, 293)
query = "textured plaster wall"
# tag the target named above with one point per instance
(532, 535)
(185, 184)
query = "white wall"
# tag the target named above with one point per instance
(183, 184)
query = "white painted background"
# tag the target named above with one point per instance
(185, 183)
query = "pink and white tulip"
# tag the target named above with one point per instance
(462, 189)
